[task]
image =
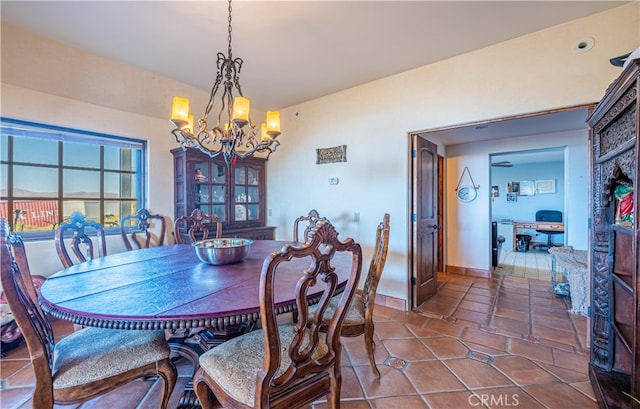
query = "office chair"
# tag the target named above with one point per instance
(549, 216)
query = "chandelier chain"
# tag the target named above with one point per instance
(229, 36)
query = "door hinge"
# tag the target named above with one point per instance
(414, 217)
(414, 153)
(414, 281)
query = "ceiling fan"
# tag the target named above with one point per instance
(503, 164)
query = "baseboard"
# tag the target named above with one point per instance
(466, 271)
(391, 302)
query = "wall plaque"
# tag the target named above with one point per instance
(331, 155)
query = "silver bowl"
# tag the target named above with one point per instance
(222, 251)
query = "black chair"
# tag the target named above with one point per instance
(549, 216)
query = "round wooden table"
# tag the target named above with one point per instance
(168, 287)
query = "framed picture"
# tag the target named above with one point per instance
(512, 197)
(495, 191)
(515, 187)
(527, 188)
(545, 186)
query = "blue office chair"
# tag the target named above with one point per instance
(549, 216)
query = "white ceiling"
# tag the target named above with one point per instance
(293, 51)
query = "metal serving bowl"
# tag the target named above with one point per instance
(222, 251)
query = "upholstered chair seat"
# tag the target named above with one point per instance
(233, 363)
(93, 354)
(355, 314)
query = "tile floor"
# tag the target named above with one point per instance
(504, 342)
(530, 264)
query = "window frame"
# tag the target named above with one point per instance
(15, 128)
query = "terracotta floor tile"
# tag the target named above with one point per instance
(522, 371)
(475, 306)
(477, 336)
(479, 298)
(444, 328)
(506, 312)
(391, 330)
(471, 316)
(474, 332)
(397, 402)
(452, 400)
(392, 382)
(475, 374)
(564, 374)
(560, 395)
(530, 350)
(445, 347)
(573, 361)
(357, 354)
(557, 335)
(408, 349)
(346, 404)
(508, 326)
(432, 376)
(503, 398)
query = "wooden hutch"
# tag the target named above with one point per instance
(615, 309)
(235, 193)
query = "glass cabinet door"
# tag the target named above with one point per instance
(210, 188)
(246, 194)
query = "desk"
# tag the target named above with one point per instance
(550, 226)
(168, 287)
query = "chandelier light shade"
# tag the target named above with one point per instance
(234, 134)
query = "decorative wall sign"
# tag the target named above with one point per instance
(545, 186)
(331, 155)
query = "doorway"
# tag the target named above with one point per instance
(513, 129)
(516, 203)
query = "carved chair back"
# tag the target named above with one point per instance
(59, 374)
(299, 363)
(81, 244)
(312, 219)
(197, 225)
(143, 230)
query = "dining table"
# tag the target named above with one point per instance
(170, 288)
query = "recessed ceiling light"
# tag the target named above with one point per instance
(582, 45)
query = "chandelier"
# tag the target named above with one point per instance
(234, 134)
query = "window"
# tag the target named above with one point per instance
(48, 172)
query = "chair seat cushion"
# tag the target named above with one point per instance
(355, 314)
(95, 353)
(235, 363)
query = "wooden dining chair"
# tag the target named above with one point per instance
(143, 230)
(197, 225)
(81, 244)
(359, 320)
(286, 365)
(312, 218)
(86, 363)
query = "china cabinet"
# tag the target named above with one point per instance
(615, 307)
(236, 194)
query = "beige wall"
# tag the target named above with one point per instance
(532, 73)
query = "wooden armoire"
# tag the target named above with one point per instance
(615, 308)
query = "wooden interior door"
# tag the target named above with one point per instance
(425, 227)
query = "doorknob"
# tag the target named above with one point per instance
(436, 227)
